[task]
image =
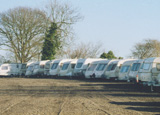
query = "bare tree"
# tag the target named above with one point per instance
(21, 32)
(147, 48)
(83, 50)
(64, 15)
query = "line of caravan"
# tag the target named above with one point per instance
(141, 71)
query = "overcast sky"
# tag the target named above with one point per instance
(117, 24)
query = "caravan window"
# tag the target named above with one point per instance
(79, 65)
(135, 67)
(124, 69)
(146, 66)
(54, 66)
(101, 67)
(4, 68)
(109, 67)
(114, 66)
(65, 66)
(29, 68)
(92, 67)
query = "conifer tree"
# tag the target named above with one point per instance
(51, 43)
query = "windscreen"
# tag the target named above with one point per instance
(109, 67)
(135, 67)
(114, 66)
(101, 67)
(79, 65)
(124, 69)
(146, 66)
(92, 67)
(54, 66)
(29, 68)
(65, 66)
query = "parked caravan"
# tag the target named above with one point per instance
(38, 69)
(124, 71)
(82, 65)
(113, 69)
(56, 66)
(90, 70)
(29, 71)
(148, 73)
(13, 69)
(134, 70)
(101, 68)
(47, 67)
(67, 68)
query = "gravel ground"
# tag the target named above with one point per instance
(26, 96)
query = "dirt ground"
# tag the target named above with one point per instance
(26, 96)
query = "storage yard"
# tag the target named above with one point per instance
(29, 96)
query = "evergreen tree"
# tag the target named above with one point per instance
(103, 55)
(51, 43)
(108, 55)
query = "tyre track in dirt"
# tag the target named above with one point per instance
(15, 104)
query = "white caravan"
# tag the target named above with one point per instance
(148, 73)
(125, 69)
(56, 66)
(134, 70)
(67, 68)
(13, 69)
(101, 68)
(82, 65)
(91, 69)
(47, 67)
(29, 70)
(113, 68)
(38, 69)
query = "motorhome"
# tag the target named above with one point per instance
(38, 69)
(91, 69)
(101, 68)
(82, 65)
(134, 70)
(29, 71)
(13, 69)
(149, 71)
(125, 69)
(113, 69)
(67, 68)
(56, 66)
